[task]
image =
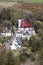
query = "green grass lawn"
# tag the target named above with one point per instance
(33, 1)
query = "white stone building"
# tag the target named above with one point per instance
(25, 29)
(6, 32)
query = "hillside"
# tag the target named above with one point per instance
(22, 10)
(34, 1)
(22, 0)
(35, 8)
(31, 51)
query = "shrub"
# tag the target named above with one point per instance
(12, 60)
(22, 57)
(36, 27)
(32, 58)
(35, 44)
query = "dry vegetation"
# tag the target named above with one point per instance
(35, 8)
(19, 10)
(7, 4)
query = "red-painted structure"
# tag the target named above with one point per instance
(26, 23)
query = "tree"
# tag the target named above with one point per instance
(36, 27)
(5, 14)
(40, 32)
(34, 44)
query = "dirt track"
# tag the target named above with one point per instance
(30, 63)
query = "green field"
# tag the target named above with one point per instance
(22, 0)
(32, 1)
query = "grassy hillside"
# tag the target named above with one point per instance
(33, 1)
(22, 0)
